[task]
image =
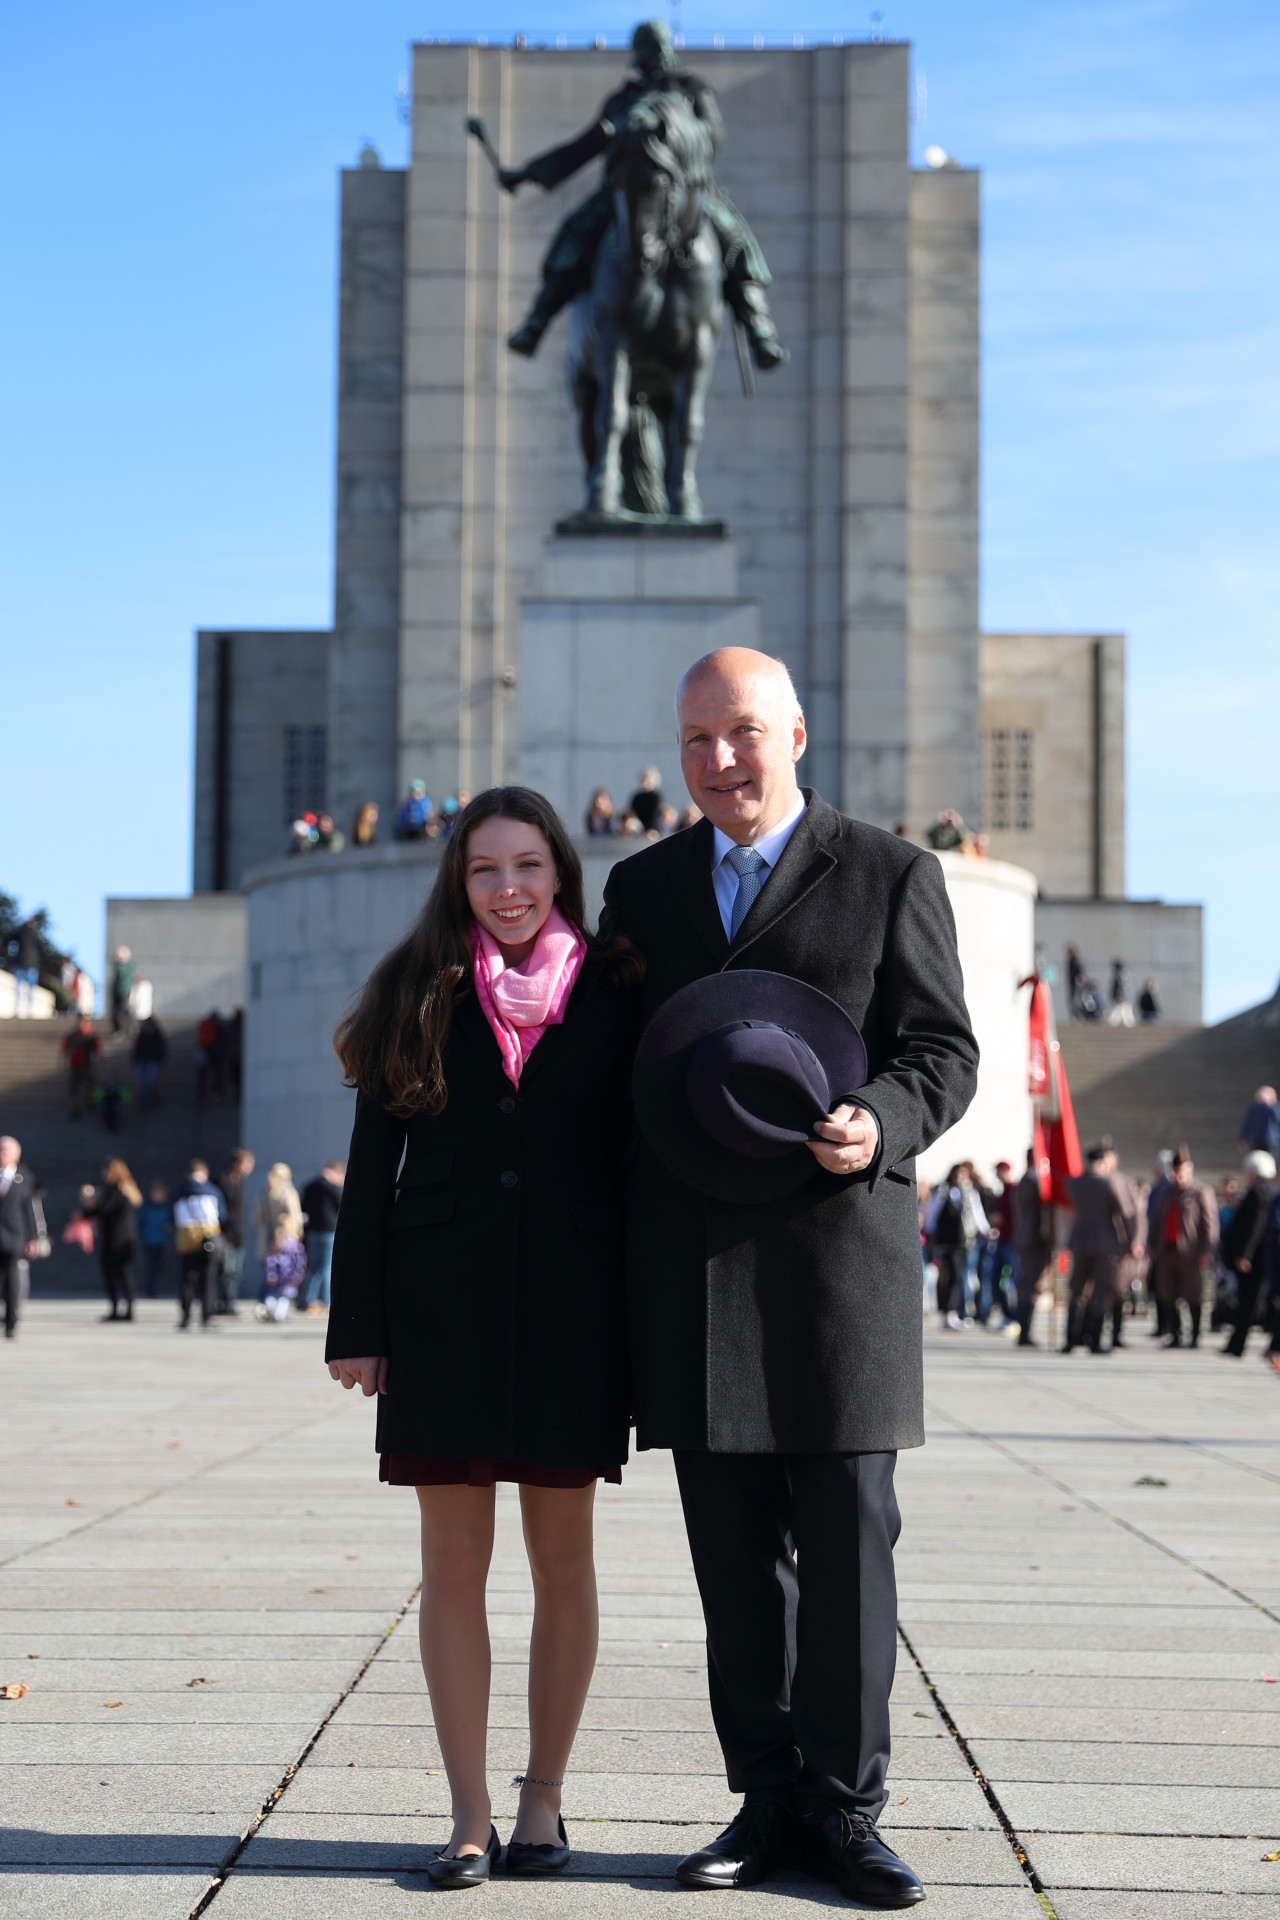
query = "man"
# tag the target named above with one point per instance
(1101, 1231)
(81, 1047)
(776, 1347)
(646, 801)
(320, 1201)
(1183, 1235)
(122, 975)
(1243, 1245)
(230, 1184)
(199, 1215)
(1132, 1264)
(566, 271)
(1033, 1245)
(21, 1226)
(1260, 1128)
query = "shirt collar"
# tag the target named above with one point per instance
(769, 846)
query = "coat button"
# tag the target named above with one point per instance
(507, 1106)
(509, 1179)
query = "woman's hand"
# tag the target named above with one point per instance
(370, 1374)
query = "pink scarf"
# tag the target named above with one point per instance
(520, 1003)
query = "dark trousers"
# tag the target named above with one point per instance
(800, 1658)
(1248, 1287)
(117, 1281)
(1093, 1287)
(13, 1276)
(951, 1263)
(199, 1281)
(154, 1258)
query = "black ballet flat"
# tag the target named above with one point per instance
(447, 1871)
(524, 1857)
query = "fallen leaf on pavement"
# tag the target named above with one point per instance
(171, 1444)
(1149, 1480)
(199, 1681)
(353, 1763)
(113, 1703)
(901, 1803)
(920, 1714)
(1271, 1856)
(14, 1691)
(1267, 1681)
(73, 1503)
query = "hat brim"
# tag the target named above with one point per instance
(659, 1081)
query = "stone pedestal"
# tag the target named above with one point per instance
(601, 648)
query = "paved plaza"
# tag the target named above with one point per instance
(211, 1603)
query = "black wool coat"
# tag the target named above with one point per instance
(795, 1326)
(488, 1266)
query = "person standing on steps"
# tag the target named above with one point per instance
(115, 1207)
(21, 1228)
(80, 1048)
(122, 976)
(477, 1276)
(1183, 1235)
(776, 1342)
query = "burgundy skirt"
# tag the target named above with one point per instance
(416, 1470)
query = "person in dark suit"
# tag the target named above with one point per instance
(1102, 1230)
(477, 1281)
(776, 1347)
(1032, 1243)
(21, 1226)
(1243, 1244)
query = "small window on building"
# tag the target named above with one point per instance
(1009, 780)
(305, 755)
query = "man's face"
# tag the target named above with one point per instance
(10, 1152)
(740, 737)
(1183, 1174)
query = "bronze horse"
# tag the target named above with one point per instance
(644, 337)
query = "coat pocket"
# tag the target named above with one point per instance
(428, 1170)
(418, 1209)
(594, 1218)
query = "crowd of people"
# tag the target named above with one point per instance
(1086, 1001)
(646, 816)
(1173, 1248)
(188, 1239)
(418, 817)
(219, 1041)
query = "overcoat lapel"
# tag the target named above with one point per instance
(804, 864)
(698, 896)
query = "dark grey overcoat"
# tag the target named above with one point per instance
(795, 1326)
(481, 1248)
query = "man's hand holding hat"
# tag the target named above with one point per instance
(850, 1138)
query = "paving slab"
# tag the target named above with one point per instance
(1100, 1647)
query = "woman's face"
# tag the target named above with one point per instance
(511, 882)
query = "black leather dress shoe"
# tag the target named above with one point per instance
(524, 1857)
(449, 1870)
(845, 1847)
(762, 1835)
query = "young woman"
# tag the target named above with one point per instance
(114, 1207)
(477, 1276)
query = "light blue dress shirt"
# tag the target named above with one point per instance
(769, 847)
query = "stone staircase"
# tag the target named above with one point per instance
(63, 1152)
(1150, 1087)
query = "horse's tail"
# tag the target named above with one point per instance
(644, 461)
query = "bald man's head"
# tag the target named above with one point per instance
(741, 732)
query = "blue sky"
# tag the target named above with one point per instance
(167, 342)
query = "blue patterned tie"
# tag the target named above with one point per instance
(748, 865)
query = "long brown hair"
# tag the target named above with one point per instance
(117, 1174)
(391, 1043)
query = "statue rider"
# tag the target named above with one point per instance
(566, 271)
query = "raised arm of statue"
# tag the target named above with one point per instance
(559, 163)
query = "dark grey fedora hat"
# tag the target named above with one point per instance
(733, 1072)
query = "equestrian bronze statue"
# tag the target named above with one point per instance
(649, 261)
